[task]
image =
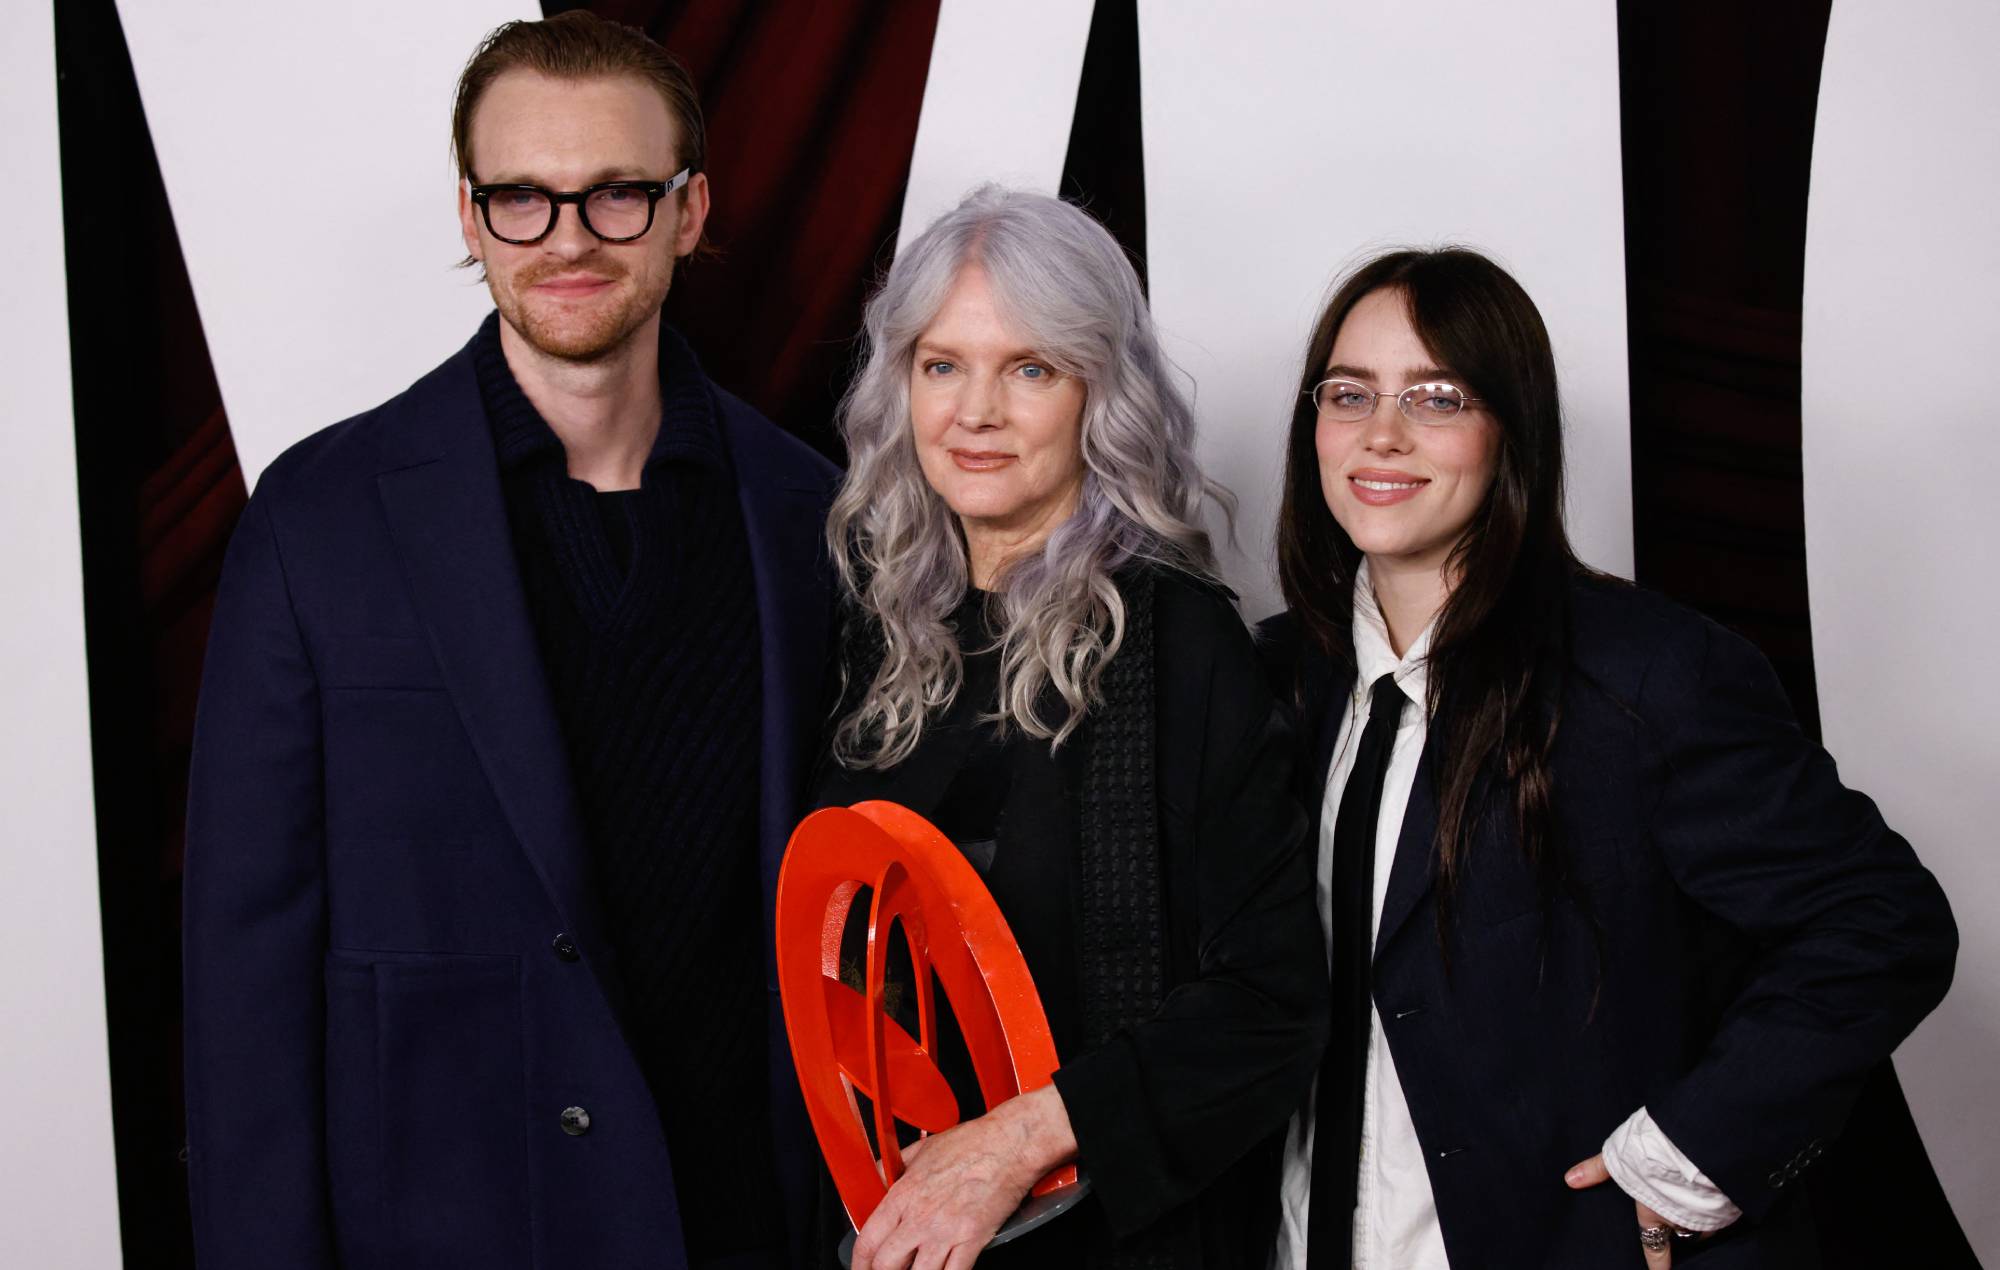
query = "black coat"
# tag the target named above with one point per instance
(1767, 941)
(1190, 1107)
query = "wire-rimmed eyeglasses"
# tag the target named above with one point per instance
(1345, 401)
(615, 211)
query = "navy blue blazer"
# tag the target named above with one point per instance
(396, 974)
(1766, 942)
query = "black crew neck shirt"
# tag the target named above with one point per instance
(1012, 808)
(1012, 805)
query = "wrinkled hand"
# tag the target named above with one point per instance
(1592, 1172)
(960, 1185)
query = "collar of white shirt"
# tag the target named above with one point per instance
(1374, 657)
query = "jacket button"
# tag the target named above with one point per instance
(575, 1121)
(565, 948)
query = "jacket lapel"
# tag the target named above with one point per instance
(784, 522)
(441, 493)
(1411, 874)
(1323, 688)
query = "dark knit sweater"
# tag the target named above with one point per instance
(645, 609)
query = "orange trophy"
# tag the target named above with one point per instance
(844, 1041)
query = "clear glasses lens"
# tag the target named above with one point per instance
(518, 214)
(1431, 403)
(1344, 400)
(618, 213)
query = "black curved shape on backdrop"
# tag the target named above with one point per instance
(159, 492)
(1103, 169)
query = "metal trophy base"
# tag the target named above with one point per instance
(1039, 1211)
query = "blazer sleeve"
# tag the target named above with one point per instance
(254, 926)
(1857, 940)
(1163, 1109)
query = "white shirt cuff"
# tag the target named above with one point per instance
(1651, 1169)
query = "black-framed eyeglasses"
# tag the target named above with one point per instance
(1345, 401)
(615, 211)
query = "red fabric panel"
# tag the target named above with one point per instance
(812, 115)
(188, 507)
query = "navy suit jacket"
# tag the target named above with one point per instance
(1766, 942)
(396, 973)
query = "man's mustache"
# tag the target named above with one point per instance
(536, 274)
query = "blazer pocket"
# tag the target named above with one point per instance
(377, 662)
(433, 1088)
(354, 1116)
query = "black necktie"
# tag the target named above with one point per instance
(1337, 1105)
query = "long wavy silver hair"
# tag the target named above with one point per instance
(1061, 277)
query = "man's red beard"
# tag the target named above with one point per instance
(577, 332)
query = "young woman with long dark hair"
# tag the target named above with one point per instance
(1598, 912)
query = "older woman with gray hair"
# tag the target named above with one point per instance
(1039, 657)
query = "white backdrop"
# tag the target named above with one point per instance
(58, 1183)
(1902, 497)
(997, 103)
(1284, 146)
(305, 153)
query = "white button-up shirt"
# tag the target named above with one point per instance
(1395, 1214)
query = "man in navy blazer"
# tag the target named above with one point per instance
(512, 685)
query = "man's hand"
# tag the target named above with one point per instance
(1592, 1172)
(960, 1185)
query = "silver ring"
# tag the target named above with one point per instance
(1656, 1238)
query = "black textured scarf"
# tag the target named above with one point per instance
(1124, 919)
(1124, 966)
